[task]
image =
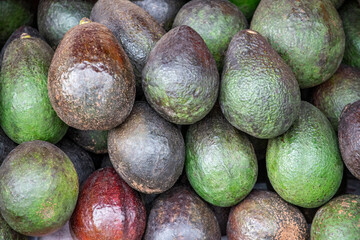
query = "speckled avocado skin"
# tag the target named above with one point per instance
(308, 35)
(304, 164)
(26, 113)
(180, 79)
(338, 219)
(333, 95)
(221, 163)
(350, 16)
(259, 93)
(91, 81)
(217, 21)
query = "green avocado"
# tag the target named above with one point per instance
(247, 7)
(304, 164)
(25, 110)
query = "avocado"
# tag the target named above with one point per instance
(163, 11)
(259, 93)
(38, 188)
(264, 215)
(180, 79)
(333, 95)
(338, 219)
(349, 133)
(220, 162)
(247, 7)
(14, 14)
(108, 208)
(350, 16)
(7, 233)
(304, 164)
(56, 17)
(217, 21)
(180, 214)
(147, 151)
(133, 27)
(26, 113)
(308, 35)
(6, 146)
(91, 140)
(91, 81)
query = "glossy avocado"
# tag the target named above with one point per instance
(308, 35)
(180, 79)
(247, 7)
(91, 140)
(216, 21)
(26, 113)
(304, 164)
(91, 81)
(259, 93)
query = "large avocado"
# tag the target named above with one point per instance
(217, 21)
(247, 7)
(91, 140)
(264, 215)
(350, 15)
(308, 35)
(38, 188)
(220, 163)
(259, 93)
(133, 27)
(304, 164)
(333, 95)
(7, 233)
(338, 219)
(56, 17)
(26, 113)
(91, 82)
(180, 79)
(147, 151)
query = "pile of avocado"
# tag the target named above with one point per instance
(180, 119)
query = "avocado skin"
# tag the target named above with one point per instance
(259, 93)
(133, 27)
(350, 15)
(91, 140)
(333, 95)
(56, 17)
(25, 110)
(91, 81)
(38, 188)
(338, 219)
(247, 7)
(304, 164)
(217, 21)
(221, 163)
(180, 79)
(14, 13)
(313, 55)
(163, 11)
(6, 233)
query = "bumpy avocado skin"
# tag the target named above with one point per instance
(25, 110)
(338, 219)
(304, 164)
(247, 7)
(216, 22)
(308, 35)
(333, 95)
(180, 79)
(259, 93)
(350, 16)
(220, 163)
(56, 17)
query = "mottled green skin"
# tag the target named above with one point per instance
(38, 188)
(25, 110)
(56, 17)
(14, 13)
(259, 93)
(6, 233)
(217, 21)
(304, 164)
(333, 95)
(308, 34)
(350, 16)
(338, 219)
(246, 6)
(220, 162)
(91, 140)
(180, 79)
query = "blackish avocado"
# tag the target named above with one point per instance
(91, 140)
